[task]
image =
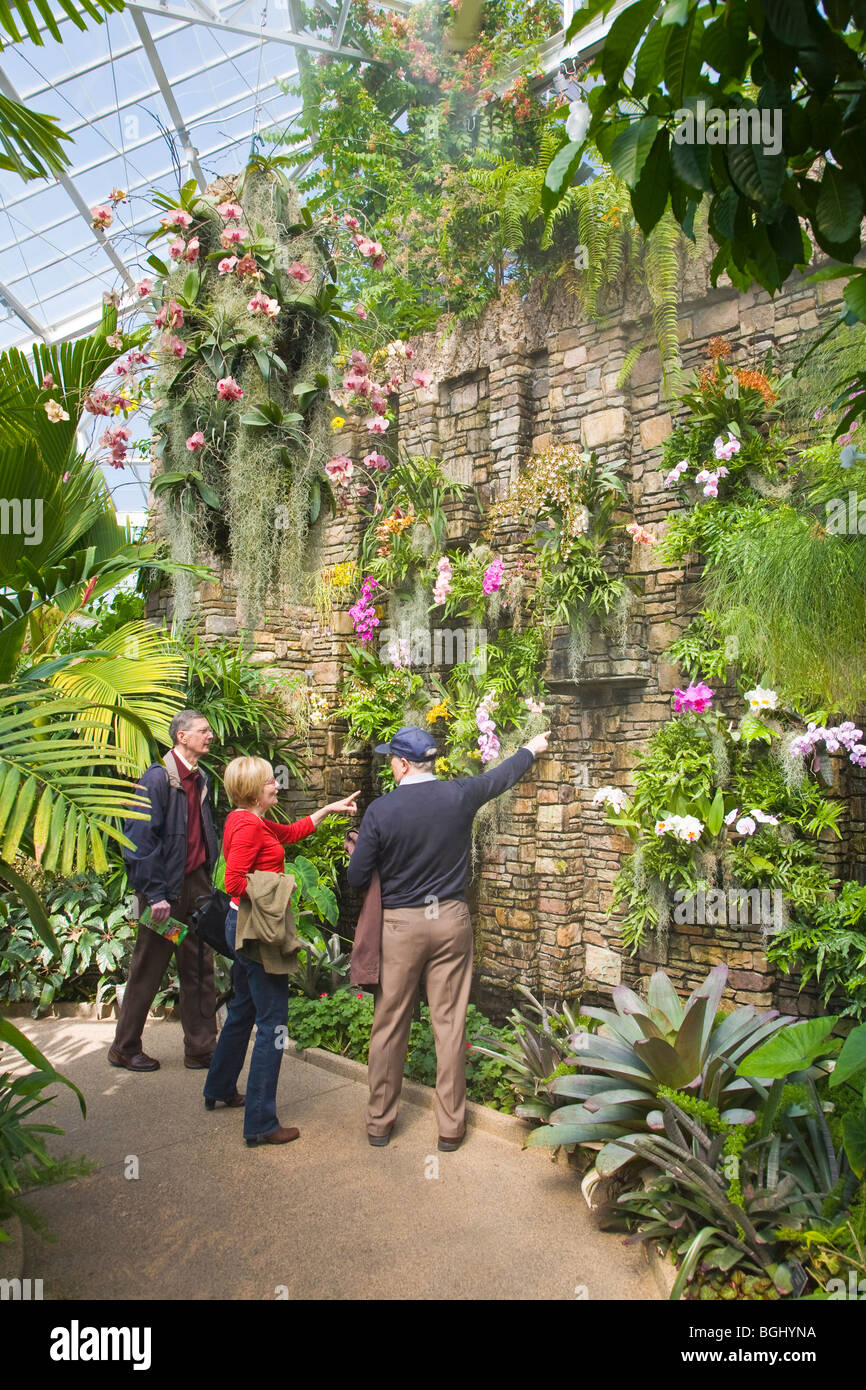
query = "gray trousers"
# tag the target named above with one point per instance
(437, 950)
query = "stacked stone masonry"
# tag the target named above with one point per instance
(529, 373)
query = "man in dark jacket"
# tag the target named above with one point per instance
(419, 838)
(170, 869)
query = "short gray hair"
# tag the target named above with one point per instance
(428, 765)
(182, 722)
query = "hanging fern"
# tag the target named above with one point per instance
(661, 275)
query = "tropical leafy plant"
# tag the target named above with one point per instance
(799, 1048)
(536, 1053)
(659, 60)
(95, 936)
(829, 947)
(23, 1157)
(646, 1045)
(687, 1200)
(322, 966)
(247, 712)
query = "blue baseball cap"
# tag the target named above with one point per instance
(411, 743)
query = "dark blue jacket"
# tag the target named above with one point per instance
(419, 835)
(155, 866)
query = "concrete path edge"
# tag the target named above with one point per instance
(509, 1127)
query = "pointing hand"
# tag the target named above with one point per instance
(538, 744)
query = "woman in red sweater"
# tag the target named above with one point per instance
(249, 843)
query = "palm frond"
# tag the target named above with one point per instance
(140, 674)
(75, 368)
(30, 142)
(52, 803)
(17, 18)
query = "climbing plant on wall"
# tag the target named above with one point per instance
(247, 320)
(478, 681)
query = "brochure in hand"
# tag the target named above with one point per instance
(171, 929)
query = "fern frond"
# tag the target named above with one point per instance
(661, 268)
(630, 362)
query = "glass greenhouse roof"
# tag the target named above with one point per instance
(154, 91)
(156, 94)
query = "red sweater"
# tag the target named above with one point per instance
(250, 843)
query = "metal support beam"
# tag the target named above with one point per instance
(66, 183)
(285, 36)
(21, 312)
(189, 150)
(341, 23)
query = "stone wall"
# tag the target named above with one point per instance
(528, 373)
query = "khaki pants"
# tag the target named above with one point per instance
(439, 951)
(150, 959)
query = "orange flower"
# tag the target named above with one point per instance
(718, 347)
(756, 381)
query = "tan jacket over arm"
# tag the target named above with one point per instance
(266, 929)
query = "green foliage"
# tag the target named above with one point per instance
(699, 766)
(311, 897)
(322, 966)
(685, 1199)
(95, 936)
(108, 614)
(375, 696)
(338, 1022)
(806, 636)
(758, 195)
(535, 1054)
(247, 712)
(702, 650)
(396, 142)
(442, 151)
(325, 851)
(254, 485)
(829, 947)
(341, 1022)
(24, 1161)
(613, 1096)
(30, 142)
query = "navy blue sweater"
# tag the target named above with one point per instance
(419, 836)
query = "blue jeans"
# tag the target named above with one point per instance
(262, 999)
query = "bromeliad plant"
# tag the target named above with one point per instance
(718, 1194)
(714, 1122)
(645, 1046)
(536, 1054)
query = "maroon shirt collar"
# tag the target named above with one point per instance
(186, 773)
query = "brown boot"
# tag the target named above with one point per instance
(279, 1136)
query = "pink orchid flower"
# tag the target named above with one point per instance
(228, 389)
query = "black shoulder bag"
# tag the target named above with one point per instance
(208, 921)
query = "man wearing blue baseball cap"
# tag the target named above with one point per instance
(419, 837)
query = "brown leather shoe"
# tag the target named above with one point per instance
(449, 1146)
(139, 1062)
(198, 1063)
(231, 1104)
(279, 1136)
